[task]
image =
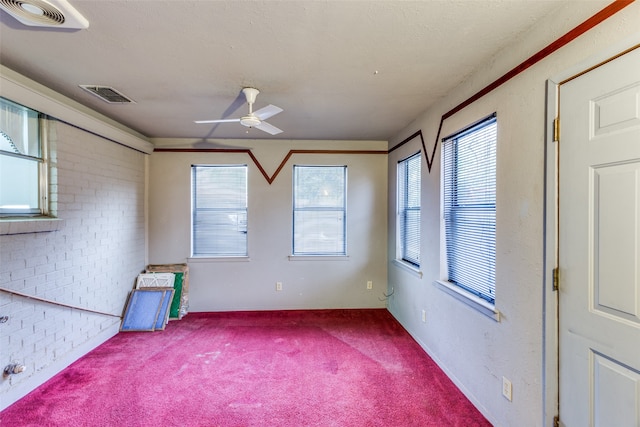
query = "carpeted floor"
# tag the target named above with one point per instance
(283, 368)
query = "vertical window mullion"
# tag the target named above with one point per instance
(43, 190)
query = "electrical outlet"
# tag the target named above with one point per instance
(424, 316)
(278, 286)
(506, 388)
(369, 284)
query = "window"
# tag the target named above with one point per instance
(23, 169)
(470, 208)
(219, 208)
(408, 221)
(319, 210)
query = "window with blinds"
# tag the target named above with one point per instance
(23, 164)
(219, 209)
(319, 210)
(408, 221)
(469, 163)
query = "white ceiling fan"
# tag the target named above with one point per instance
(255, 119)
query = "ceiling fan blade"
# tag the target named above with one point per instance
(217, 121)
(266, 127)
(266, 112)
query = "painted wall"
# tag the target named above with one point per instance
(91, 260)
(473, 349)
(221, 285)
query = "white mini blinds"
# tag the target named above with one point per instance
(469, 163)
(408, 220)
(219, 209)
(319, 210)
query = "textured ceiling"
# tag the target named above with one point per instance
(355, 70)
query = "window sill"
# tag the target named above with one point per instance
(29, 225)
(408, 267)
(468, 298)
(196, 260)
(318, 258)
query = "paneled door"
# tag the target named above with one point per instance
(599, 245)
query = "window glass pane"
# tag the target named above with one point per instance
(409, 209)
(19, 129)
(319, 210)
(319, 186)
(469, 161)
(319, 232)
(20, 158)
(411, 236)
(219, 210)
(18, 185)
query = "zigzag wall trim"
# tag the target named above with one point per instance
(596, 19)
(266, 176)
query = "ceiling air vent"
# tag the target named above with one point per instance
(107, 94)
(41, 13)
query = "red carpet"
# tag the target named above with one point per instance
(287, 368)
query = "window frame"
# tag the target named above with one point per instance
(319, 254)
(404, 191)
(42, 168)
(195, 253)
(474, 210)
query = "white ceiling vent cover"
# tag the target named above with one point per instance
(49, 13)
(107, 94)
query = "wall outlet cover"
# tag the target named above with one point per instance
(506, 388)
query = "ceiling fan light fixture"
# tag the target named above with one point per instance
(250, 121)
(255, 119)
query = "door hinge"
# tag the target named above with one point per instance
(556, 279)
(556, 421)
(556, 129)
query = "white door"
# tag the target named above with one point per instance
(599, 246)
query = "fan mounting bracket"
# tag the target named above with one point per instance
(250, 93)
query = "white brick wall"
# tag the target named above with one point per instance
(92, 261)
